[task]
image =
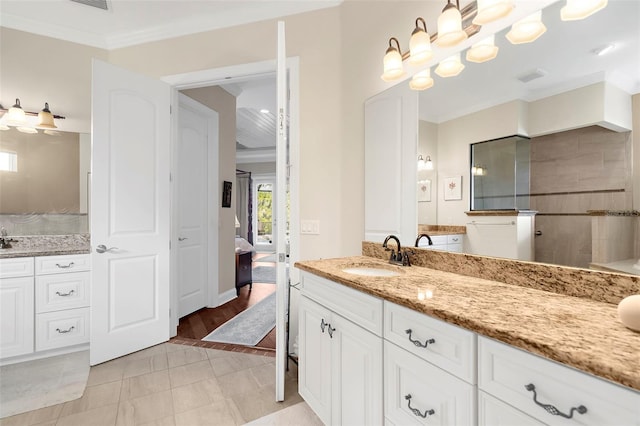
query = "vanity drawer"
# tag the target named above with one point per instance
(358, 307)
(16, 267)
(62, 264)
(62, 328)
(62, 291)
(454, 239)
(493, 412)
(439, 240)
(453, 349)
(430, 388)
(504, 372)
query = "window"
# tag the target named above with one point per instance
(8, 161)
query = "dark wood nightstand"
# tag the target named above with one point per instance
(243, 270)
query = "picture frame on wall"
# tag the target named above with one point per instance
(452, 188)
(424, 190)
(226, 194)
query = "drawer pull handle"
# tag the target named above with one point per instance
(417, 412)
(65, 294)
(182, 238)
(64, 266)
(418, 343)
(323, 324)
(65, 331)
(550, 408)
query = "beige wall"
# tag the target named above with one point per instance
(224, 104)
(47, 180)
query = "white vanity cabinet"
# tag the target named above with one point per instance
(451, 242)
(44, 304)
(515, 384)
(16, 307)
(62, 301)
(340, 365)
(429, 371)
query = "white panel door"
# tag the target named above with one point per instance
(192, 196)
(391, 140)
(16, 316)
(130, 212)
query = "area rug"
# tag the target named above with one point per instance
(249, 326)
(264, 274)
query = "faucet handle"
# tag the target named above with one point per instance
(405, 259)
(393, 255)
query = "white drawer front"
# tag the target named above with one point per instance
(493, 412)
(454, 239)
(62, 328)
(456, 248)
(439, 240)
(62, 264)
(411, 380)
(361, 308)
(16, 267)
(449, 347)
(504, 372)
(62, 291)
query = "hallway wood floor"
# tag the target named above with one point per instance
(195, 326)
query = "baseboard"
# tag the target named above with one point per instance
(227, 296)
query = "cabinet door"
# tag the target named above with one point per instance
(314, 369)
(356, 374)
(16, 316)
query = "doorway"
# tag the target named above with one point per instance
(264, 235)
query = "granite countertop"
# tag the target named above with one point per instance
(47, 245)
(578, 332)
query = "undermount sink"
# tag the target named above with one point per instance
(371, 272)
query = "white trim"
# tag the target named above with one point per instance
(257, 179)
(225, 297)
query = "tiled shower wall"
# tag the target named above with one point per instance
(573, 172)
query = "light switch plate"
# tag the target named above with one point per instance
(310, 227)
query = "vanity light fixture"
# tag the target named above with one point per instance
(421, 162)
(420, 44)
(17, 117)
(483, 51)
(450, 67)
(580, 9)
(450, 30)
(527, 29)
(393, 68)
(428, 164)
(421, 80)
(492, 10)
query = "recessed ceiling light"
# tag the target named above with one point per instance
(604, 49)
(264, 111)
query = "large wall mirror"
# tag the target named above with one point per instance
(574, 167)
(44, 182)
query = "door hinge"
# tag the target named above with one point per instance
(169, 244)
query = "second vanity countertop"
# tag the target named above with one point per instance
(47, 245)
(578, 332)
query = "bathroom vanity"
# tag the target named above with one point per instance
(44, 298)
(453, 349)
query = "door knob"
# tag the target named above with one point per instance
(103, 249)
(182, 238)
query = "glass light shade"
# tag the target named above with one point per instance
(15, 115)
(421, 81)
(25, 129)
(428, 165)
(492, 10)
(483, 51)
(580, 9)
(450, 27)
(450, 67)
(393, 68)
(45, 118)
(420, 47)
(527, 30)
(421, 163)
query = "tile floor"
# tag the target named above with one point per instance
(173, 384)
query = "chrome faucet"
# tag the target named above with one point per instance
(422, 236)
(400, 258)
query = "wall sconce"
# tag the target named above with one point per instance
(450, 67)
(393, 68)
(420, 44)
(483, 51)
(18, 118)
(580, 9)
(527, 30)
(450, 30)
(425, 164)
